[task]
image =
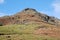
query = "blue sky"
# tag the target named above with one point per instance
(49, 7)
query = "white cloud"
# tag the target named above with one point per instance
(56, 6)
(2, 14)
(1, 1)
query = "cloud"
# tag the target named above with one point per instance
(1, 1)
(2, 14)
(56, 6)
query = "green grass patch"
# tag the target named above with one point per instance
(22, 32)
(16, 29)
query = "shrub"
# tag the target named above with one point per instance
(8, 36)
(1, 24)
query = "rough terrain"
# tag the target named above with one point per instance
(29, 24)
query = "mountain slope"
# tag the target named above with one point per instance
(28, 15)
(29, 25)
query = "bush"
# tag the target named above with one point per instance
(1, 24)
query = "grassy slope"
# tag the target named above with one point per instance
(22, 32)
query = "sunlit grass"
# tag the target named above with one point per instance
(23, 32)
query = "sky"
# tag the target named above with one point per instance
(49, 7)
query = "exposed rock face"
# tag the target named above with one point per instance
(28, 15)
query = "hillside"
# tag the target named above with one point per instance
(29, 24)
(28, 15)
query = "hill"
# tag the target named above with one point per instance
(28, 15)
(29, 25)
